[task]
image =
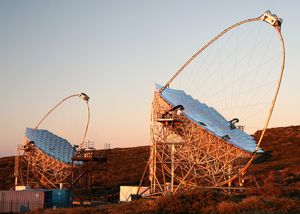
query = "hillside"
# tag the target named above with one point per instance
(125, 167)
(7, 165)
(273, 185)
(281, 155)
(276, 173)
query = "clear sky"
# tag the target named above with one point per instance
(115, 51)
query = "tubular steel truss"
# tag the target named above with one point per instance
(36, 169)
(185, 155)
(92, 161)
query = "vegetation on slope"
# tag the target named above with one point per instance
(276, 173)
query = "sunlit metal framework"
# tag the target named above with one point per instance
(92, 161)
(36, 169)
(184, 155)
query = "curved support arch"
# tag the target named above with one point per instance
(245, 168)
(85, 98)
(274, 21)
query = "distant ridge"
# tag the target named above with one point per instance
(126, 165)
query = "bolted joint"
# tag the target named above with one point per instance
(84, 96)
(272, 19)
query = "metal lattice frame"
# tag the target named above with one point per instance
(47, 170)
(35, 168)
(185, 155)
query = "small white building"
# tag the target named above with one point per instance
(127, 191)
(20, 188)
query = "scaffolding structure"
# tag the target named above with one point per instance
(43, 160)
(91, 162)
(184, 154)
(35, 169)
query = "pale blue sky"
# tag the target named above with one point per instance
(115, 51)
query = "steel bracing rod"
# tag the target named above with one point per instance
(244, 169)
(50, 170)
(278, 29)
(193, 180)
(278, 86)
(204, 47)
(87, 124)
(85, 98)
(231, 153)
(260, 18)
(144, 173)
(35, 167)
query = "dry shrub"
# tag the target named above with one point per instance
(197, 202)
(140, 206)
(272, 185)
(191, 201)
(272, 177)
(76, 210)
(228, 207)
(252, 203)
(209, 210)
(252, 191)
(271, 190)
(283, 205)
(168, 204)
(255, 204)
